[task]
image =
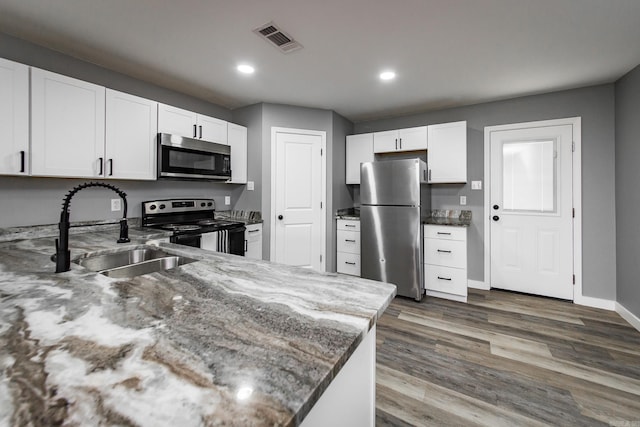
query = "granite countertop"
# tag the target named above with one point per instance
(221, 341)
(348, 213)
(452, 217)
(246, 217)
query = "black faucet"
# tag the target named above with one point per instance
(63, 255)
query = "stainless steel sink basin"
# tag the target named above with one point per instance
(133, 262)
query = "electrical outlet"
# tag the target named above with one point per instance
(476, 185)
(115, 205)
(227, 200)
(463, 200)
(250, 186)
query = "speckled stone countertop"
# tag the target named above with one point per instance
(348, 213)
(221, 341)
(247, 217)
(457, 218)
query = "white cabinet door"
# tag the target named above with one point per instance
(212, 129)
(14, 118)
(359, 149)
(411, 139)
(131, 128)
(253, 239)
(385, 142)
(237, 136)
(447, 157)
(177, 121)
(67, 126)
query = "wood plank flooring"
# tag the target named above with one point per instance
(505, 359)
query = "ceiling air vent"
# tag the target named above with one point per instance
(278, 38)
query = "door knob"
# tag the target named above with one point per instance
(496, 217)
(280, 217)
(496, 207)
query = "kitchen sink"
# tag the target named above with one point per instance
(133, 262)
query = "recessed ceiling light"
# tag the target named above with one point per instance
(246, 69)
(387, 75)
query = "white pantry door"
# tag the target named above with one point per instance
(531, 210)
(298, 232)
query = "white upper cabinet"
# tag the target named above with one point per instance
(237, 137)
(447, 155)
(67, 126)
(14, 118)
(409, 139)
(359, 149)
(131, 129)
(186, 123)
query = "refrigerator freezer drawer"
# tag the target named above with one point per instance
(348, 241)
(446, 279)
(447, 253)
(348, 263)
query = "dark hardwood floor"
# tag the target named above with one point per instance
(505, 359)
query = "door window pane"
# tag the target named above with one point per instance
(529, 176)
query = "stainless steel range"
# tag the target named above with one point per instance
(193, 223)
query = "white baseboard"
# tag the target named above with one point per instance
(459, 298)
(628, 316)
(476, 284)
(595, 302)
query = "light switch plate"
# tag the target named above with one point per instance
(463, 200)
(227, 200)
(115, 205)
(476, 185)
(250, 186)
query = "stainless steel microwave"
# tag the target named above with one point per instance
(187, 158)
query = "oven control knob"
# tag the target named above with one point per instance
(210, 204)
(162, 206)
(152, 207)
(203, 204)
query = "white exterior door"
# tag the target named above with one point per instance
(298, 223)
(531, 205)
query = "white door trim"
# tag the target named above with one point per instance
(323, 191)
(576, 122)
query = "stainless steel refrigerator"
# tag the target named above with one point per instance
(394, 196)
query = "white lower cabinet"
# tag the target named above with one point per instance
(253, 241)
(348, 247)
(445, 261)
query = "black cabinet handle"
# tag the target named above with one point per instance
(401, 143)
(22, 153)
(444, 278)
(446, 234)
(349, 240)
(246, 245)
(350, 225)
(101, 161)
(110, 167)
(446, 252)
(200, 131)
(253, 231)
(396, 143)
(350, 263)
(195, 131)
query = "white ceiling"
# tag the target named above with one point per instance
(445, 52)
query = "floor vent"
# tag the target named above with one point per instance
(278, 38)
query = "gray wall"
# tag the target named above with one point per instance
(29, 201)
(596, 107)
(627, 194)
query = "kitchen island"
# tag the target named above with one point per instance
(220, 341)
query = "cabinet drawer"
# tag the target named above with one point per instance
(445, 279)
(447, 253)
(348, 224)
(445, 232)
(253, 233)
(348, 241)
(348, 263)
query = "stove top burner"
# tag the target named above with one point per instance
(180, 227)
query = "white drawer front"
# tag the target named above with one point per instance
(348, 241)
(348, 224)
(253, 232)
(445, 279)
(445, 232)
(348, 264)
(447, 253)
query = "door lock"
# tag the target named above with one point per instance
(496, 217)
(496, 207)
(280, 217)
